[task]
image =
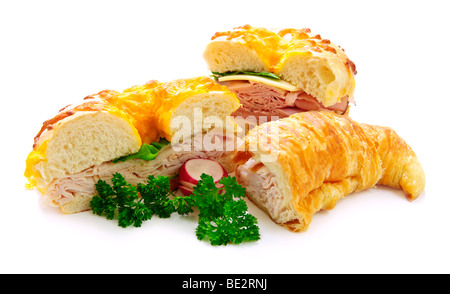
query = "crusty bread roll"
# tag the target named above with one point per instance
(313, 65)
(318, 66)
(111, 124)
(79, 141)
(296, 166)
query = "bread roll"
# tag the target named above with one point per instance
(319, 71)
(111, 124)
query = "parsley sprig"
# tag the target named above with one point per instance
(134, 205)
(223, 215)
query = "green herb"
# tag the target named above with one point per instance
(233, 227)
(269, 75)
(223, 215)
(156, 193)
(134, 205)
(146, 152)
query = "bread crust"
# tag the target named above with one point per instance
(141, 114)
(139, 104)
(316, 65)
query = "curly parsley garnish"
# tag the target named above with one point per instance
(134, 205)
(223, 214)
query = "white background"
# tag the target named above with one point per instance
(54, 53)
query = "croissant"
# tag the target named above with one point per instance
(296, 166)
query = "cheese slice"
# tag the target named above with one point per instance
(270, 82)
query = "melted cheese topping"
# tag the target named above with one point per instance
(269, 45)
(273, 46)
(172, 94)
(147, 107)
(31, 173)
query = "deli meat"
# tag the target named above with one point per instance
(258, 99)
(168, 163)
(262, 187)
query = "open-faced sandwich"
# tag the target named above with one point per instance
(276, 73)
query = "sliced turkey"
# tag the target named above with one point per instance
(168, 163)
(261, 186)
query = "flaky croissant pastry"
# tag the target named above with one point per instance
(296, 166)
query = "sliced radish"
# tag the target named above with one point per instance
(192, 169)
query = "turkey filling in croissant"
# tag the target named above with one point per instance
(263, 186)
(294, 167)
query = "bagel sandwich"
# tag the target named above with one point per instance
(101, 135)
(276, 73)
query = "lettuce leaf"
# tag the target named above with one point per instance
(146, 152)
(269, 75)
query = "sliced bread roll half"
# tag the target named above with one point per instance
(110, 125)
(281, 72)
(77, 142)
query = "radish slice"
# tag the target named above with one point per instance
(192, 169)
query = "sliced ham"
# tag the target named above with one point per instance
(259, 99)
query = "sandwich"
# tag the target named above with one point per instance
(276, 73)
(148, 129)
(295, 166)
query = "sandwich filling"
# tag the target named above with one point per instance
(262, 188)
(267, 97)
(168, 162)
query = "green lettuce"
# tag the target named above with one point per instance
(146, 152)
(269, 75)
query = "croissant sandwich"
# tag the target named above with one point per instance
(296, 166)
(278, 73)
(101, 135)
